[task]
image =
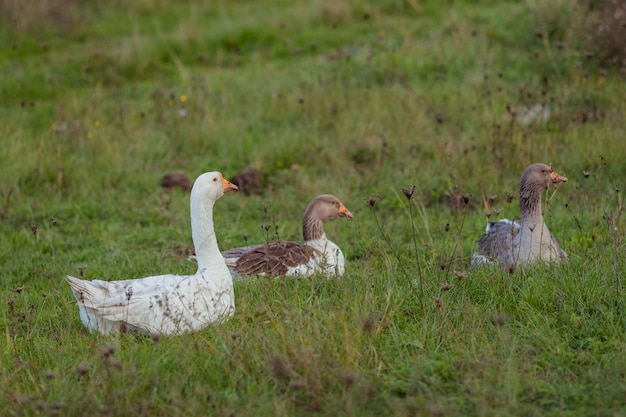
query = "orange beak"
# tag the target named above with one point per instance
(228, 186)
(344, 212)
(554, 177)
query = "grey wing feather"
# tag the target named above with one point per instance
(497, 242)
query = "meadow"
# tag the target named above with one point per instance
(361, 99)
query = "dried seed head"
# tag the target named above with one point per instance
(408, 192)
(82, 370)
(459, 201)
(447, 227)
(107, 351)
(372, 201)
(490, 212)
(33, 229)
(54, 221)
(461, 275)
(586, 174)
(446, 287)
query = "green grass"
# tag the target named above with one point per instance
(357, 99)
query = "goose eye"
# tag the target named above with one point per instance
(214, 179)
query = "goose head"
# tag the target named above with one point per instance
(323, 207)
(327, 207)
(539, 177)
(535, 180)
(212, 185)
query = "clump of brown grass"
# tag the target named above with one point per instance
(173, 180)
(250, 181)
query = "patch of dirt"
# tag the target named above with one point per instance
(176, 180)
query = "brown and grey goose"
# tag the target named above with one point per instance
(316, 254)
(513, 243)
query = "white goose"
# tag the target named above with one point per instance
(284, 258)
(167, 304)
(512, 243)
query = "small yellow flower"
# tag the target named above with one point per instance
(183, 99)
(97, 123)
(89, 135)
(171, 103)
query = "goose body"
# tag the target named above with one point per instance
(513, 243)
(167, 304)
(316, 254)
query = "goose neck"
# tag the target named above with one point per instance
(202, 231)
(530, 203)
(312, 228)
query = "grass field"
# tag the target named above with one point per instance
(99, 100)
